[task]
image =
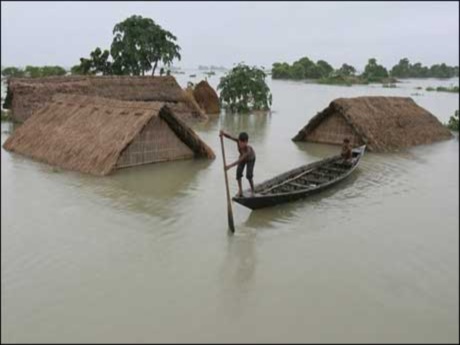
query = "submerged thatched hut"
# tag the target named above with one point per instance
(206, 97)
(98, 135)
(25, 95)
(382, 123)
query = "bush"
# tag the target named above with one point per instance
(453, 122)
(5, 116)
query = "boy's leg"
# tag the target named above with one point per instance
(239, 176)
(250, 174)
(240, 187)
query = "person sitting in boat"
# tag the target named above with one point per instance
(346, 153)
(246, 159)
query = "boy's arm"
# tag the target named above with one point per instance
(242, 158)
(222, 133)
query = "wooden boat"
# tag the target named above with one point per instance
(301, 182)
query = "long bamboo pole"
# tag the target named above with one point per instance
(229, 201)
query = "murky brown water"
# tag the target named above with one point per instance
(144, 255)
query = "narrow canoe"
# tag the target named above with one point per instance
(301, 182)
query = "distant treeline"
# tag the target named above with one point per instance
(33, 71)
(323, 72)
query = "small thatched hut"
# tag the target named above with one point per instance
(382, 123)
(206, 97)
(25, 95)
(97, 135)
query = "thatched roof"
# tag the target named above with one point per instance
(382, 123)
(88, 134)
(29, 94)
(206, 97)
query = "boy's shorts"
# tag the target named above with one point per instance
(249, 169)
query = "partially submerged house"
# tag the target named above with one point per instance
(206, 97)
(98, 135)
(26, 95)
(382, 123)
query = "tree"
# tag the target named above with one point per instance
(297, 71)
(442, 71)
(374, 71)
(281, 71)
(33, 71)
(419, 71)
(138, 43)
(346, 70)
(402, 69)
(98, 63)
(47, 71)
(14, 72)
(244, 89)
(325, 68)
(44, 71)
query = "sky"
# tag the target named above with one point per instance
(225, 33)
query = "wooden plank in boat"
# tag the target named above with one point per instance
(318, 181)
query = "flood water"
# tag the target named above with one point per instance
(144, 255)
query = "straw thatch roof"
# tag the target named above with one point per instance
(28, 94)
(206, 97)
(382, 123)
(96, 135)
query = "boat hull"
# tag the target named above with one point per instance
(259, 200)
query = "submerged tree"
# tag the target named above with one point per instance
(140, 43)
(244, 89)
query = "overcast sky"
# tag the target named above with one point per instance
(53, 33)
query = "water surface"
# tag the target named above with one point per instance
(144, 255)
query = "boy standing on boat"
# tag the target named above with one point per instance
(247, 159)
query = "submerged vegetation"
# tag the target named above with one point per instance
(404, 69)
(323, 73)
(389, 85)
(453, 122)
(244, 89)
(453, 89)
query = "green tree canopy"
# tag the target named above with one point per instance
(140, 42)
(346, 70)
(138, 45)
(244, 89)
(325, 68)
(15, 72)
(373, 71)
(98, 63)
(281, 70)
(402, 69)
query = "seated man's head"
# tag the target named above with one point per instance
(243, 139)
(346, 141)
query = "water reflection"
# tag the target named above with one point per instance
(256, 124)
(239, 266)
(317, 150)
(336, 196)
(154, 189)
